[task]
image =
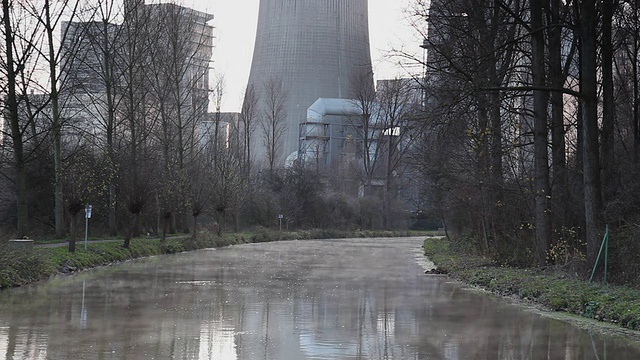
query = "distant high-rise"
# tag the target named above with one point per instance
(314, 48)
(96, 56)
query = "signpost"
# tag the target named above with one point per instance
(87, 216)
(280, 217)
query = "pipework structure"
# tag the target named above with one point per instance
(327, 127)
(315, 49)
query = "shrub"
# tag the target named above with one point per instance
(624, 248)
(20, 267)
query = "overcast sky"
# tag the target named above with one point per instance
(236, 22)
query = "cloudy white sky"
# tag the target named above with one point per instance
(236, 22)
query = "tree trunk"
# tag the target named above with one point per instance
(636, 95)
(559, 190)
(73, 231)
(634, 54)
(608, 103)
(236, 219)
(16, 131)
(166, 219)
(590, 149)
(56, 127)
(109, 83)
(127, 238)
(484, 173)
(195, 226)
(113, 229)
(221, 221)
(496, 143)
(134, 230)
(496, 185)
(540, 133)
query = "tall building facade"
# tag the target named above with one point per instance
(173, 48)
(314, 49)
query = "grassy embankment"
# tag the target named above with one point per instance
(614, 304)
(20, 267)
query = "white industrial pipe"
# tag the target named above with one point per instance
(326, 106)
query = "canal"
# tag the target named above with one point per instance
(324, 299)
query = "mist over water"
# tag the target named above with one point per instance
(330, 299)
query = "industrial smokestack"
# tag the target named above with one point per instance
(316, 48)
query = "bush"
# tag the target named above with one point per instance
(21, 267)
(173, 246)
(624, 248)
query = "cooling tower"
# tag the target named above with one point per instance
(315, 48)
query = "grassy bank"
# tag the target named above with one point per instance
(614, 304)
(20, 267)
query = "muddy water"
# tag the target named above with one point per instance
(334, 299)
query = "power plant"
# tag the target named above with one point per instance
(312, 49)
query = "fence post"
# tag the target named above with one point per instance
(605, 246)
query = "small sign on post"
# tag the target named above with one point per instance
(87, 216)
(280, 217)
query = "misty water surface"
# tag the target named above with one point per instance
(328, 299)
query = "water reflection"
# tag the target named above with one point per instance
(364, 299)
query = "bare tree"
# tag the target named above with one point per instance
(590, 131)
(82, 181)
(21, 39)
(512, 65)
(249, 121)
(627, 74)
(272, 121)
(180, 66)
(93, 46)
(218, 95)
(608, 101)
(366, 127)
(137, 27)
(559, 66)
(474, 53)
(227, 186)
(398, 105)
(50, 20)
(540, 130)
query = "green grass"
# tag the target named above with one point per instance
(42, 241)
(615, 304)
(23, 266)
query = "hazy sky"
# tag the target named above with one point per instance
(236, 22)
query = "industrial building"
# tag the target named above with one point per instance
(102, 59)
(312, 49)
